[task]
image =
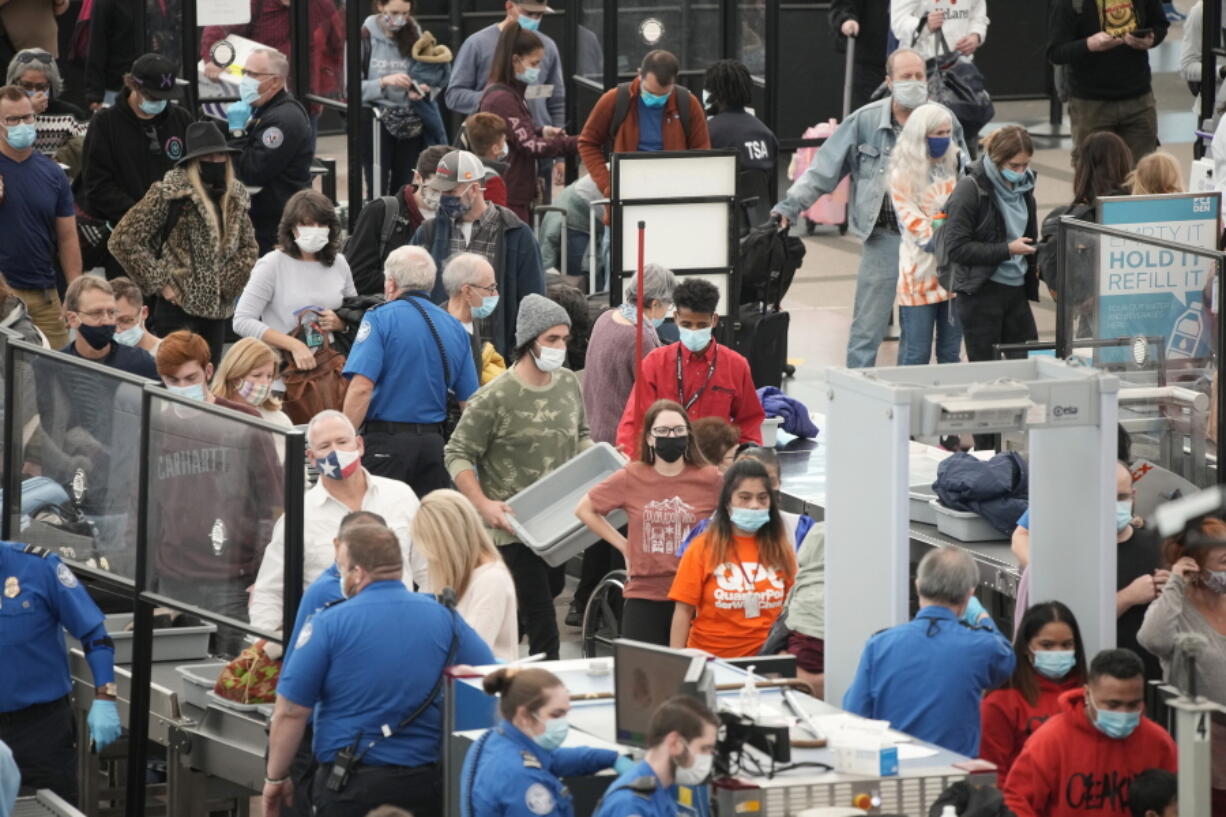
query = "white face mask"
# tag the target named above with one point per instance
(550, 359)
(312, 239)
(697, 772)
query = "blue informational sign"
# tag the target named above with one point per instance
(1153, 291)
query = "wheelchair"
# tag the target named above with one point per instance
(602, 616)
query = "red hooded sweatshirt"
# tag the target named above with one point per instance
(1068, 768)
(1008, 720)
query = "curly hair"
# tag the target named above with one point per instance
(309, 206)
(574, 302)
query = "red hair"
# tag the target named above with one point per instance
(179, 348)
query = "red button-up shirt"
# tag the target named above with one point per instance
(729, 394)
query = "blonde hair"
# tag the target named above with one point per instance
(451, 534)
(1156, 173)
(215, 214)
(243, 358)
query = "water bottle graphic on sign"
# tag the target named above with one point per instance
(1187, 332)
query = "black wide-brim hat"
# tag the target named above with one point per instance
(202, 139)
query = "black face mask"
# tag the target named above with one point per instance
(98, 337)
(213, 174)
(671, 449)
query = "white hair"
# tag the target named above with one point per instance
(463, 268)
(658, 285)
(278, 63)
(327, 414)
(410, 268)
(49, 70)
(946, 575)
(911, 169)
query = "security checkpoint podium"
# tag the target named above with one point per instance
(1069, 412)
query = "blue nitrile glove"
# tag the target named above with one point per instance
(974, 610)
(623, 764)
(104, 725)
(237, 115)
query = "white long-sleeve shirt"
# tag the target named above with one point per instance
(967, 17)
(489, 607)
(322, 515)
(280, 284)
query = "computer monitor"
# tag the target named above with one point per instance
(645, 676)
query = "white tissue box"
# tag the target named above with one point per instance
(867, 755)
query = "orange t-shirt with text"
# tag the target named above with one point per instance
(717, 592)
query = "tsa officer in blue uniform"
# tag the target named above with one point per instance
(364, 666)
(514, 769)
(927, 677)
(681, 750)
(41, 597)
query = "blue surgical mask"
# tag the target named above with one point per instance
(695, 339)
(21, 136)
(554, 734)
(531, 76)
(152, 107)
(1123, 514)
(453, 206)
(340, 580)
(528, 23)
(488, 304)
(653, 100)
(1013, 176)
(130, 336)
(937, 146)
(1054, 664)
(249, 90)
(1118, 725)
(194, 391)
(749, 519)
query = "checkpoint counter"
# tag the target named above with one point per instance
(806, 780)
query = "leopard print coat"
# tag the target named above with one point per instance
(205, 266)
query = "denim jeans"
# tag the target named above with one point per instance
(431, 122)
(876, 283)
(919, 323)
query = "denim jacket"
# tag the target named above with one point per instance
(861, 146)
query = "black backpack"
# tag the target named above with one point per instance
(1046, 252)
(767, 263)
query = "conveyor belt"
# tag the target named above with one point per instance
(44, 804)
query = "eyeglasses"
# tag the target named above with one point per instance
(28, 119)
(492, 289)
(258, 74)
(155, 147)
(35, 87)
(671, 431)
(100, 314)
(35, 55)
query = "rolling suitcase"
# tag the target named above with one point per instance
(762, 338)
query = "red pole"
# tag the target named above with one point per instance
(638, 325)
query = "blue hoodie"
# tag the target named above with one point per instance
(1012, 201)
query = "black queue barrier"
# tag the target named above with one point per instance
(20, 361)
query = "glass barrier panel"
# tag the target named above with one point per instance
(591, 39)
(1147, 313)
(163, 24)
(78, 432)
(216, 492)
(327, 51)
(268, 27)
(751, 36)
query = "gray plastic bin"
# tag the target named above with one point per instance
(196, 681)
(964, 526)
(921, 504)
(770, 431)
(544, 518)
(169, 644)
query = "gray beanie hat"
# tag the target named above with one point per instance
(536, 314)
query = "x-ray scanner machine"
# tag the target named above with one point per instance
(1070, 414)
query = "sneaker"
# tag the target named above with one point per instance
(574, 616)
(1173, 14)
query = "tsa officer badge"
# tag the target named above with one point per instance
(217, 536)
(12, 588)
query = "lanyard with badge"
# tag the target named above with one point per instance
(753, 599)
(681, 383)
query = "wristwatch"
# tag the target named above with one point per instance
(108, 691)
